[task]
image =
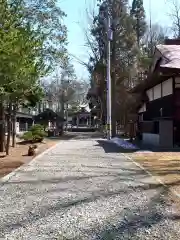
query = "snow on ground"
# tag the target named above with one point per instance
(123, 143)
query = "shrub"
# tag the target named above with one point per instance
(27, 136)
(35, 134)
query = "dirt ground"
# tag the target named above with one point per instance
(18, 155)
(164, 165)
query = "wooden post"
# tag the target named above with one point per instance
(77, 121)
(26, 126)
(14, 120)
(2, 125)
(9, 114)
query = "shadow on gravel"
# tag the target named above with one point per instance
(65, 136)
(141, 219)
(88, 135)
(78, 135)
(113, 148)
(134, 218)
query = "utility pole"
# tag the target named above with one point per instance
(64, 103)
(109, 104)
(113, 83)
(150, 26)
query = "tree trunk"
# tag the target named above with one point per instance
(8, 128)
(2, 125)
(62, 102)
(39, 107)
(14, 126)
(66, 116)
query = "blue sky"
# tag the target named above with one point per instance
(76, 20)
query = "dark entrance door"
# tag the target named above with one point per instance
(176, 129)
(176, 133)
(166, 133)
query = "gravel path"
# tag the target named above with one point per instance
(84, 190)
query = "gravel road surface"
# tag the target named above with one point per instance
(84, 189)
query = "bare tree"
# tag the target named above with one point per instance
(174, 14)
(80, 88)
(61, 90)
(154, 35)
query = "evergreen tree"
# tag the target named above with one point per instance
(138, 14)
(123, 51)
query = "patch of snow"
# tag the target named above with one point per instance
(123, 143)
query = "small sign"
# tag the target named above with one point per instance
(110, 34)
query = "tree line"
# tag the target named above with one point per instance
(33, 43)
(132, 48)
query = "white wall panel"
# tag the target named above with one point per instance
(167, 87)
(177, 80)
(157, 91)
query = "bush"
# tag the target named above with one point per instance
(35, 134)
(27, 136)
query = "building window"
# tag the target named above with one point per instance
(177, 80)
(157, 91)
(167, 88)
